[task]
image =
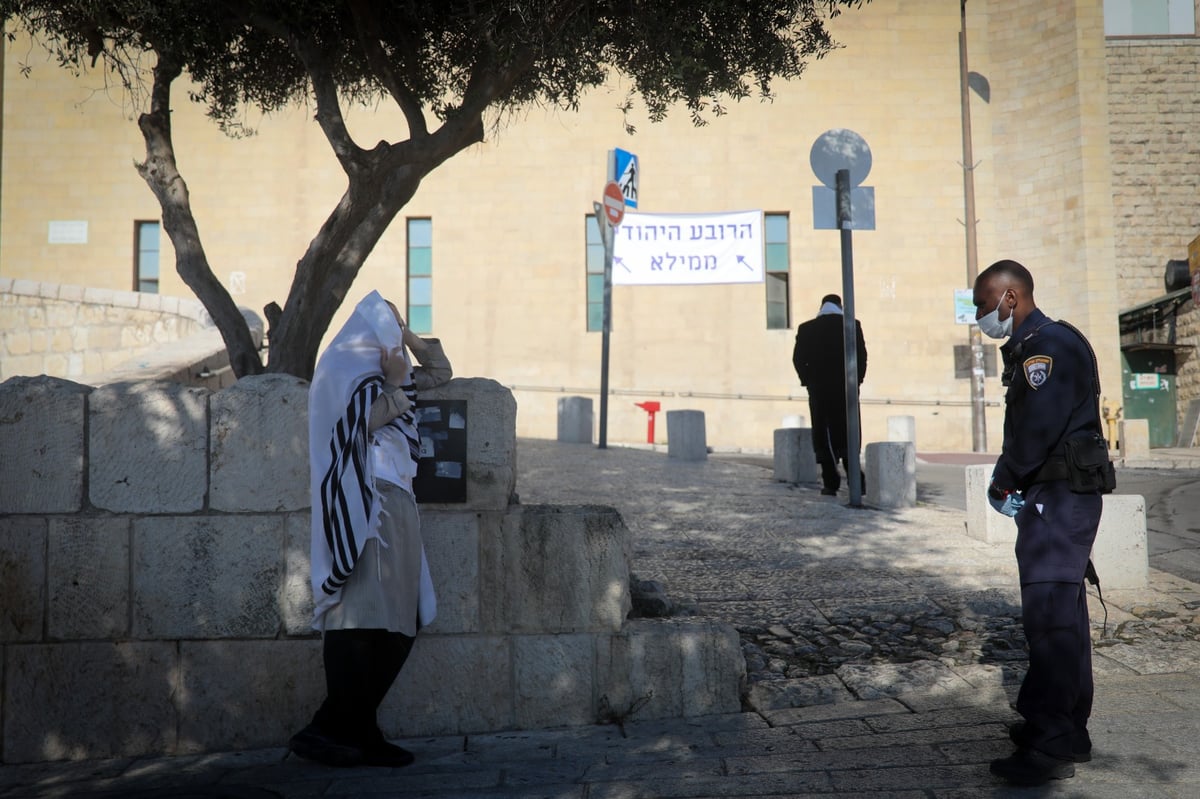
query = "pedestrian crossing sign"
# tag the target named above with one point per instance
(627, 177)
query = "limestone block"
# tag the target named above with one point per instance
(902, 428)
(575, 420)
(452, 549)
(1120, 555)
(207, 577)
(452, 684)
(891, 474)
(983, 522)
(556, 569)
(1134, 435)
(491, 440)
(260, 445)
(668, 668)
(794, 459)
(246, 694)
(686, 438)
(296, 599)
(553, 680)
(41, 436)
(22, 578)
(148, 448)
(88, 577)
(77, 701)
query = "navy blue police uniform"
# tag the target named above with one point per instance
(1052, 396)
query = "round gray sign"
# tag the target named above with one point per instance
(840, 148)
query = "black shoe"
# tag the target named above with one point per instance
(1081, 751)
(1031, 767)
(313, 744)
(381, 753)
(829, 492)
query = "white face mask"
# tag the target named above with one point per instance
(990, 323)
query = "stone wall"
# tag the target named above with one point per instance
(154, 592)
(1155, 144)
(100, 336)
(76, 332)
(1051, 203)
(1187, 362)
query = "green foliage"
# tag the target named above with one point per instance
(443, 56)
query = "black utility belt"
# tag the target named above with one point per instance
(1085, 465)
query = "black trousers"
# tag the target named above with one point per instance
(1056, 695)
(360, 667)
(828, 410)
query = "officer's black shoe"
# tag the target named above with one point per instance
(1081, 750)
(1031, 767)
(829, 492)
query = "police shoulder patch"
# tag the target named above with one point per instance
(1037, 370)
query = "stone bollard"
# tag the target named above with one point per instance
(1119, 554)
(685, 436)
(575, 420)
(794, 420)
(891, 474)
(795, 461)
(1134, 435)
(983, 522)
(902, 428)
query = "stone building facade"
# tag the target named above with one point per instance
(1155, 139)
(1081, 149)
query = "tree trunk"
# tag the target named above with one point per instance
(328, 268)
(162, 176)
(388, 178)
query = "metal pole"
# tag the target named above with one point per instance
(849, 342)
(978, 406)
(606, 232)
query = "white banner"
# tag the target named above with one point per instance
(669, 249)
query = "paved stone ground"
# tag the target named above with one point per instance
(882, 647)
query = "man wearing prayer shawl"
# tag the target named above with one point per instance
(370, 580)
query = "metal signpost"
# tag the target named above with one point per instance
(849, 341)
(841, 160)
(974, 340)
(621, 190)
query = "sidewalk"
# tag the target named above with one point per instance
(882, 648)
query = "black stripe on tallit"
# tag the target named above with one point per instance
(410, 417)
(348, 451)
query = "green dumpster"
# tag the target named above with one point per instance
(1148, 378)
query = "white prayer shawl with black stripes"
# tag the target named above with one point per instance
(345, 506)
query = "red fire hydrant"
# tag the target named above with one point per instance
(650, 408)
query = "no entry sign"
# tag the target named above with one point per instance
(614, 203)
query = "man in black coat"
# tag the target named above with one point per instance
(819, 358)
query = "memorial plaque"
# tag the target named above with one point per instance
(442, 465)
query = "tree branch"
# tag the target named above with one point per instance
(365, 22)
(161, 174)
(329, 110)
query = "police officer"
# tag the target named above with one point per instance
(1052, 399)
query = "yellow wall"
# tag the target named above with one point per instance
(508, 217)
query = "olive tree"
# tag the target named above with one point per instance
(446, 64)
